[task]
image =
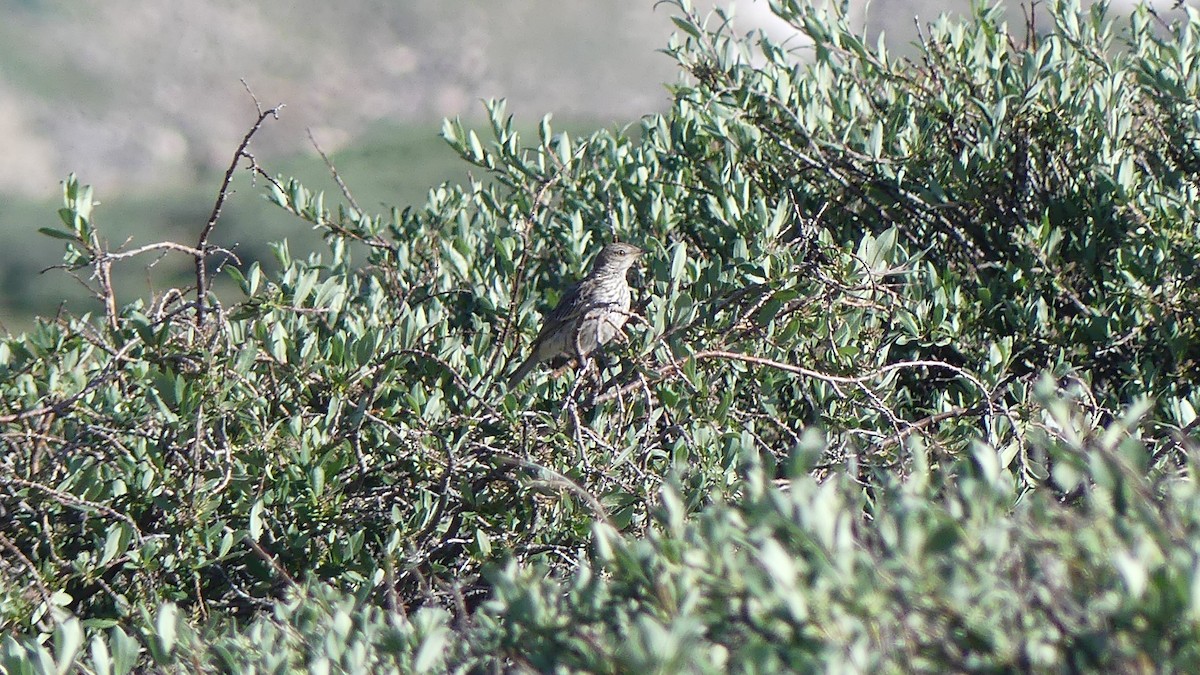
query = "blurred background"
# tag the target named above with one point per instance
(144, 101)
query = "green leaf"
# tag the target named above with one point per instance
(679, 258)
(430, 654)
(686, 26)
(477, 153)
(166, 627)
(58, 234)
(115, 542)
(256, 520)
(125, 651)
(102, 660)
(68, 638)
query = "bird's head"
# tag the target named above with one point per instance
(616, 258)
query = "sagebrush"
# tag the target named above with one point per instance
(910, 387)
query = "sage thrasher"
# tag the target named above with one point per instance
(589, 314)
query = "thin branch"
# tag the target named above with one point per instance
(202, 245)
(337, 178)
(552, 478)
(68, 499)
(160, 246)
(33, 572)
(670, 369)
(270, 560)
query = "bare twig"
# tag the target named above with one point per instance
(553, 478)
(337, 178)
(202, 245)
(670, 369)
(270, 560)
(68, 499)
(33, 572)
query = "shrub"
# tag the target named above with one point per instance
(912, 389)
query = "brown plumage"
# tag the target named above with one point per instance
(589, 314)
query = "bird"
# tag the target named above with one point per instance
(590, 313)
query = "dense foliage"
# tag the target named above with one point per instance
(912, 388)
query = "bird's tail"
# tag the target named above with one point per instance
(522, 370)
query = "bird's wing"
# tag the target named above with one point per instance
(566, 310)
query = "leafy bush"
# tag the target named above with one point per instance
(912, 389)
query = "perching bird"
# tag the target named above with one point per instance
(589, 314)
